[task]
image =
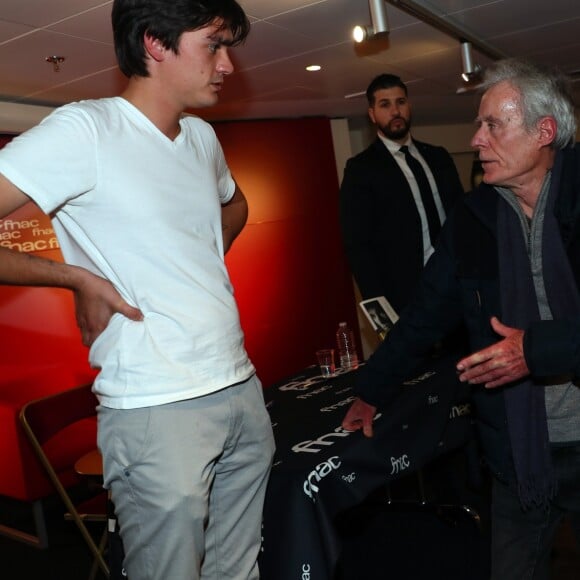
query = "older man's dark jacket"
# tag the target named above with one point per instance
(460, 284)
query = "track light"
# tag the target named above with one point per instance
(379, 22)
(470, 70)
(360, 33)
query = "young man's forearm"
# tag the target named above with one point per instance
(21, 269)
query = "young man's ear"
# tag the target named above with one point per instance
(154, 47)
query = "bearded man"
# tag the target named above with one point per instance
(394, 197)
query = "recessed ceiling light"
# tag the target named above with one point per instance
(313, 67)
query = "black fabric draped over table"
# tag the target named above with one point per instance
(320, 469)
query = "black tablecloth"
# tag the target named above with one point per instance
(320, 469)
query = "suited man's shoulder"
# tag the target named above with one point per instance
(374, 152)
(439, 160)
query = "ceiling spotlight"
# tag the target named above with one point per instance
(470, 70)
(313, 67)
(379, 22)
(360, 33)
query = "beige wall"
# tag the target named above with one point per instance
(16, 118)
(456, 139)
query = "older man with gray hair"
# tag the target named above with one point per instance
(508, 266)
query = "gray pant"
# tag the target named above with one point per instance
(188, 481)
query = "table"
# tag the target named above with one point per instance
(320, 470)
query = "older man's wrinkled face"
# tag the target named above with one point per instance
(508, 152)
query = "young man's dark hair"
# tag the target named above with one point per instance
(167, 21)
(384, 81)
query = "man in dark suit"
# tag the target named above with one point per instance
(392, 206)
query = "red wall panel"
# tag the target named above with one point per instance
(288, 268)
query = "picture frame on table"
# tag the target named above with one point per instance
(380, 314)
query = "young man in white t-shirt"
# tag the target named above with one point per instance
(145, 207)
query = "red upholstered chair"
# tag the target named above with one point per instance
(22, 477)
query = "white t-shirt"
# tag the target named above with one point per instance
(143, 211)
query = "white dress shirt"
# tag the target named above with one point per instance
(399, 157)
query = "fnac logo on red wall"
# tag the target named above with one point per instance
(28, 230)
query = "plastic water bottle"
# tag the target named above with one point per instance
(346, 347)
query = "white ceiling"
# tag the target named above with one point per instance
(270, 80)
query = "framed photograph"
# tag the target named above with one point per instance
(380, 314)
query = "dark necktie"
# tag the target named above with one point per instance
(426, 193)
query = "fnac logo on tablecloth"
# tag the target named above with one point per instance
(420, 378)
(337, 405)
(303, 384)
(305, 572)
(316, 445)
(318, 473)
(300, 384)
(460, 410)
(432, 399)
(399, 464)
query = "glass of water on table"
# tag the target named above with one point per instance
(325, 357)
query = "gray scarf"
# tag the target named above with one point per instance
(524, 399)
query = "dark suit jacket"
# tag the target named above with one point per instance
(380, 224)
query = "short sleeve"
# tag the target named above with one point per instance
(54, 161)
